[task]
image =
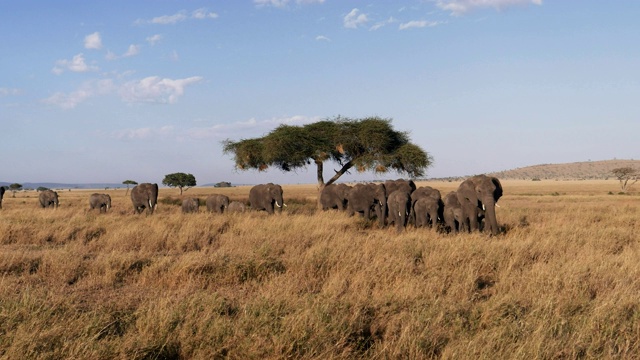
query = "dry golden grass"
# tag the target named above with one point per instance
(562, 282)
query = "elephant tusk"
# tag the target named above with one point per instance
(278, 205)
(483, 208)
(283, 204)
(497, 205)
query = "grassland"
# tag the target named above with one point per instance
(563, 281)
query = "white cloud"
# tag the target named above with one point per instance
(322, 38)
(354, 19)
(156, 90)
(247, 128)
(77, 64)
(152, 40)
(459, 7)
(418, 24)
(380, 24)
(143, 133)
(87, 90)
(283, 3)
(9, 91)
(132, 51)
(180, 16)
(93, 41)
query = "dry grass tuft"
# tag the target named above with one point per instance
(560, 282)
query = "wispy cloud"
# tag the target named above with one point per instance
(143, 133)
(77, 64)
(459, 7)
(418, 24)
(9, 92)
(152, 40)
(133, 50)
(322, 38)
(284, 3)
(381, 24)
(250, 127)
(154, 89)
(86, 91)
(354, 19)
(180, 16)
(93, 41)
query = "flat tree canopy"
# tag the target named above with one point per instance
(179, 180)
(624, 175)
(369, 144)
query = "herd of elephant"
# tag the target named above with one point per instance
(471, 207)
(399, 202)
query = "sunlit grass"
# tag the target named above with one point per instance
(561, 282)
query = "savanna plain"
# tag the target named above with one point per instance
(561, 282)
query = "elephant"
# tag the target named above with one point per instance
(145, 196)
(363, 197)
(452, 212)
(479, 194)
(48, 198)
(236, 206)
(190, 205)
(266, 197)
(102, 202)
(334, 196)
(399, 205)
(426, 206)
(2, 190)
(393, 185)
(217, 203)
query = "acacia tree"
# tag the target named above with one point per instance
(15, 187)
(129, 182)
(180, 180)
(624, 175)
(369, 144)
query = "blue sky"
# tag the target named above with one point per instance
(104, 91)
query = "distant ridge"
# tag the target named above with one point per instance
(586, 170)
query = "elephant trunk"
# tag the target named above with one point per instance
(490, 216)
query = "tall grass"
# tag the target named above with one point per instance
(561, 282)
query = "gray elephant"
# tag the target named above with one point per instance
(429, 206)
(399, 205)
(102, 202)
(363, 197)
(479, 194)
(2, 190)
(452, 212)
(236, 207)
(334, 196)
(217, 203)
(145, 196)
(266, 197)
(190, 205)
(48, 198)
(393, 185)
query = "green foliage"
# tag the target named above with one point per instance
(15, 186)
(129, 182)
(179, 180)
(42, 188)
(369, 144)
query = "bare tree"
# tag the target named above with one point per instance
(627, 176)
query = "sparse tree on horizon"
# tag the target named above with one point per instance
(369, 144)
(15, 187)
(180, 180)
(627, 176)
(129, 182)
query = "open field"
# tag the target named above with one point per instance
(561, 282)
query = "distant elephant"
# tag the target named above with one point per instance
(1, 195)
(145, 196)
(452, 212)
(190, 205)
(48, 198)
(217, 203)
(393, 185)
(102, 202)
(363, 197)
(428, 211)
(236, 206)
(399, 205)
(266, 197)
(476, 194)
(334, 196)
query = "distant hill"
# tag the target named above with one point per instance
(591, 170)
(55, 186)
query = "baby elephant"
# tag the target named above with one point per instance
(102, 202)
(236, 206)
(190, 205)
(217, 203)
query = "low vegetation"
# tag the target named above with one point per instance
(561, 282)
